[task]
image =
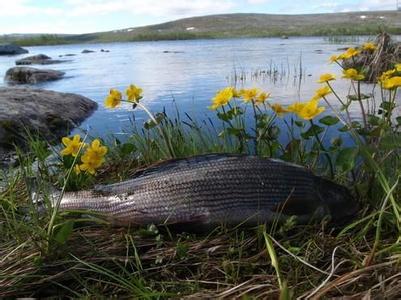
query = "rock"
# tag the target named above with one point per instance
(39, 59)
(168, 51)
(47, 114)
(9, 49)
(102, 50)
(68, 54)
(19, 75)
(87, 51)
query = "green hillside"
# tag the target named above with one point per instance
(238, 25)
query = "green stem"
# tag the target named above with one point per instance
(365, 122)
(324, 150)
(255, 140)
(339, 99)
(161, 131)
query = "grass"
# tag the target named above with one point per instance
(49, 253)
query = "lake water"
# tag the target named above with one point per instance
(187, 73)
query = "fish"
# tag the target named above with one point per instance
(216, 189)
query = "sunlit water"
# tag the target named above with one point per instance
(187, 73)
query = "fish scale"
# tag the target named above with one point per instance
(215, 189)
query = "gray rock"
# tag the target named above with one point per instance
(47, 114)
(68, 54)
(39, 59)
(9, 49)
(87, 51)
(20, 75)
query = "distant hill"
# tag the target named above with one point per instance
(237, 25)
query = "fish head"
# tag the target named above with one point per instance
(337, 200)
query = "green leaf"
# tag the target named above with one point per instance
(346, 159)
(149, 124)
(345, 128)
(329, 120)
(373, 120)
(224, 116)
(387, 106)
(391, 141)
(398, 119)
(337, 142)
(300, 124)
(230, 114)
(127, 148)
(64, 232)
(361, 97)
(312, 131)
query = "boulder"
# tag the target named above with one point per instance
(47, 114)
(9, 49)
(87, 51)
(20, 75)
(39, 59)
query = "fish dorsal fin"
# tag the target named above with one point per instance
(177, 163)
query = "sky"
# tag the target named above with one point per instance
(83, 16)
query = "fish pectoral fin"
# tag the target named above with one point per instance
(190, 218)
(102, 190)
(296, 207)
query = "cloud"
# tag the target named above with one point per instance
(172, 8)
(257, 1)
(17, 8)
(361, 5)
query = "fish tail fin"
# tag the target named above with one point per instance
(41, 193)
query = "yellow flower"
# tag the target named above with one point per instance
(93, 158)
(398, 67)
(353, 74)
(386, 75)
(333, 58)
(262, 97)
(326, 77)
(77, 169)
(279, 109)
(322, 92)
(250, 94)
(113, 99)
(369, 46)
(72, 146)
(96, 150)
(310, 110)
(222, 98)
(351, 52)
(89, 164)
(134, 93)
(236, 93)
(392, 83)
(295, 107)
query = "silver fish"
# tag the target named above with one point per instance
(216, 189)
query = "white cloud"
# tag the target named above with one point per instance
(24, 8)
(258, 1)
(172, 8)
(78, 8)
(361, 5)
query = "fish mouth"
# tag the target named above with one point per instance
(338, 200)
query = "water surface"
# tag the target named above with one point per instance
(187, 73)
